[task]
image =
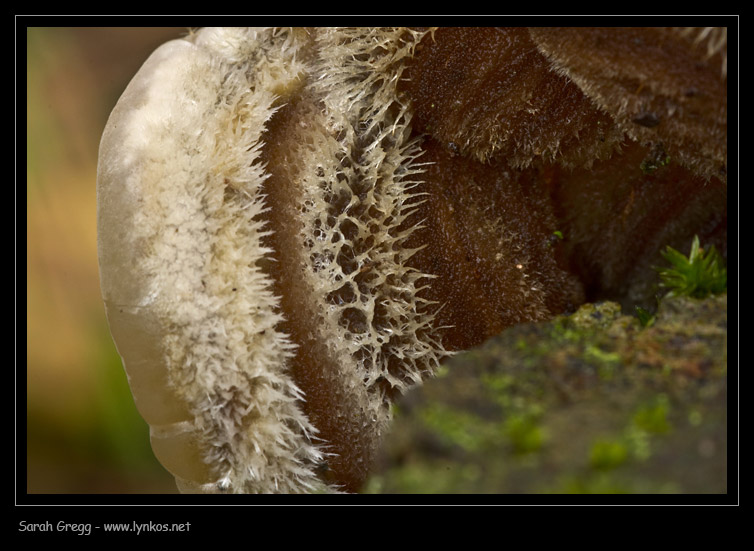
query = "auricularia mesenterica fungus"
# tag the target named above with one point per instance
(298, 225)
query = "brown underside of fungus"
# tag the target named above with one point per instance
(298, 225)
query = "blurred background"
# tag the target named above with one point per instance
(83, 433)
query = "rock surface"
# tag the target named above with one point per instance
(588, 403)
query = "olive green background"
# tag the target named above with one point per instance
(83, 434)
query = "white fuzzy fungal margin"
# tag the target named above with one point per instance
(181, 229)
(178, 212)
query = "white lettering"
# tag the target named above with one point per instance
(24, 526)
(81, 529)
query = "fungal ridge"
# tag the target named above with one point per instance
(353, 167)
(662, 87)
(343, 172)
(236, 367)
(359, 209)
(192, 209)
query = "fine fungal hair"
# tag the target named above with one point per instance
(185, 259)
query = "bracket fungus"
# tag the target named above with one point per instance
(297, 225)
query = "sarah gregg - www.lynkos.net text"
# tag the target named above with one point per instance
(86, 528)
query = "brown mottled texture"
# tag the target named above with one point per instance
(660, 85)
(488, 234)
(617, 136)
(488, 92)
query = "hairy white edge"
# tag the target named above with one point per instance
(193, 317)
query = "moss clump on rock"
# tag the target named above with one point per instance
(699, 275)
(589, 403)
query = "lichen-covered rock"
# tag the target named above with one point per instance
(591, 403)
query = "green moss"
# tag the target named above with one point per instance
(604, 484)
(458, 428)
(653, 417)
(606, 362)
(555, 237)
(524, 434)
(442, 371)
(607, 482)
(499, 386)
(639, 443)
(649, 165)
(646, 319)
(607, 454)
(437, 477)
(699, 275)
(592, 317)
(695, 418)
(590, 403)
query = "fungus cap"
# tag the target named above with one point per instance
(185, 257)
(297, 225)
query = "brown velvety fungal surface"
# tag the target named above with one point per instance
(660, 85)
(488, 235)
(489, 92)
(617, 138)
